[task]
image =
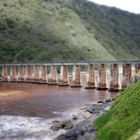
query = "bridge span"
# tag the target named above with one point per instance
(102, 75)
(79, 63)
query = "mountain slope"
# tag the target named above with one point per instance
(55, 30)
(118, 31)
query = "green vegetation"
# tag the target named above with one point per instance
(117, 31)
(56, 30)
(136, 136)
(121, 122)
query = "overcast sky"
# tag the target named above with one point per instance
(129, 5)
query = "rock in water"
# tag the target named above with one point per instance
(62, 125)
(82, 131)
(74, 117)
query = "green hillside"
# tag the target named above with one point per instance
(121, 122)
(55, 30)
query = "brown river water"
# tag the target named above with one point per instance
(34, 100)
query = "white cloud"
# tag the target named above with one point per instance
(129, 5)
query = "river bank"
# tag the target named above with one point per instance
(82, 127)
(75, 124)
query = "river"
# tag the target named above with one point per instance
(23, 106)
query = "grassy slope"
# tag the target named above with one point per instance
(122, 121)
(136, 136)
(53, 30)
(29, 27)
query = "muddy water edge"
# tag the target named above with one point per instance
(49, 112)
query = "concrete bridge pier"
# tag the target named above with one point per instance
(13, 74)
(21, 74)
(24, 72)
(102, 85)
(126, 75)
(43, 75)
(64, 79)
(36, 74)
(137, 68)
(76, 82)
(114, 74)
(90, 77)
(29, 78)
(137, 72)
(53, 76)
(4, 73)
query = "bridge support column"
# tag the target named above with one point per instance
(137, 72)
(24, 72)
(13, 74)
(114, 73)
(76, 77)
(64, 80)
(90, 77)
(102, 78)
(21, 74)
(4, 73)
(126, 75)
(43, 75)
(137, 68)
(53, 77)
(36, 74)
(29, 78)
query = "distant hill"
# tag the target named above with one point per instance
(55, 30)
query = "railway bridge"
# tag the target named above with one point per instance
(102, 75)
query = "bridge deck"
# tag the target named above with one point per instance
(79, 63)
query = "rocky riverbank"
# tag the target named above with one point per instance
(74, 124)
(80, 125)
